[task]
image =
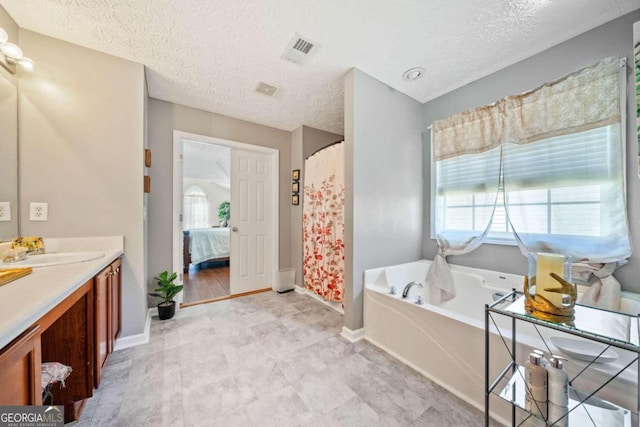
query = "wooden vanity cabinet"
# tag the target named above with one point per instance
(116, 298)
(20, 370)
(79, 332)
(67, 337)
(107, 294)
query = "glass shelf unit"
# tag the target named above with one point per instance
(581, 411)
(585, 409)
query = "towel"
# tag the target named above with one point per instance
(439, 283)
(604, 291)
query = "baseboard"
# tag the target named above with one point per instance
(352, 336)
(138, 339)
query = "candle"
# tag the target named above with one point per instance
(547, 264)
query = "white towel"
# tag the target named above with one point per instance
(439, 283)
(604, 292)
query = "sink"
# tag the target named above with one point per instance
(51, 259)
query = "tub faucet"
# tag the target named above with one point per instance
(405, 292)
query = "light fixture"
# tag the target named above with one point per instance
(11, 50)
(26, 63)
(413, 74)
(13, 55)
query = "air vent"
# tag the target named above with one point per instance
(299, 49)
(266, 89)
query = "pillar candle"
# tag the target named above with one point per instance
(547, 264)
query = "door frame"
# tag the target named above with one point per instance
(178, 137)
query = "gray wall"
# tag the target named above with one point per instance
(613, 38)
(305, 141)
(383, 191)
(164, 117)
(81, 127)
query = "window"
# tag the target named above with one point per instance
(195, 208)
(543, 169)
(558, 186)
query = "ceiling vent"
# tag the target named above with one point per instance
(299, 49)
(266, 89)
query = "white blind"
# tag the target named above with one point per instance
(562, 186)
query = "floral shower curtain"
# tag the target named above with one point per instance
(323, 223)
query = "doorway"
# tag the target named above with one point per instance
(250, 175)
(206, 195)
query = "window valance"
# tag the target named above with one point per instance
(583, 100)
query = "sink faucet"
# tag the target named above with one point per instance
(405, 292)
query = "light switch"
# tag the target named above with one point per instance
(5, 211)
(38, 211)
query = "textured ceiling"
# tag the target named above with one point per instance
(211, 54)
(207, 161)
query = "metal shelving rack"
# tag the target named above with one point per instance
(581, 411)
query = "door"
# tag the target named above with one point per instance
(116, 301)
(102, 317)
(251, 216)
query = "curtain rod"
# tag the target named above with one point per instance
(322, 148)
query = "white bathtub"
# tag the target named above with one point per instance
(446, 342)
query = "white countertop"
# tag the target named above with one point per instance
(25, 300)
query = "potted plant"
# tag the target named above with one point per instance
(166, 290)
(224, 213)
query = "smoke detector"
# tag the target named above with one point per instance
(266, 89)
(299, 49)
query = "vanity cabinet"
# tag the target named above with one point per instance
(67, 337)
(107, 294)
(79, 332)
(20, 370)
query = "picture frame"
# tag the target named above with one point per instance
(147, 157)
(295, 187)
(295, 199)
(295, 175)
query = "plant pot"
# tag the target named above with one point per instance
(166, 310)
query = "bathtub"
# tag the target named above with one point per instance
(445, 342)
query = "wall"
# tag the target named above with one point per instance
(613, 38)
(383, 191)
(81, 126)
(215, 195)
(305, 141)
(164, 117)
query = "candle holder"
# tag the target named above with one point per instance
(555, 296)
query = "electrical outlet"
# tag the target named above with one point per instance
(38, 211)
(5, 211)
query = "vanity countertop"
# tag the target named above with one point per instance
(24, 301)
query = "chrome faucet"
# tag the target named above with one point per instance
(405, 292)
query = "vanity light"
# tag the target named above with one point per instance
(27, 64)
(11, 50)
(13, 54)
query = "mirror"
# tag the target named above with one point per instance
(8, 157)
(636, 62)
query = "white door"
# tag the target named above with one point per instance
(251, 216)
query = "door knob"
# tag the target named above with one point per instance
(234, 229)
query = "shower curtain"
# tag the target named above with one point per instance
(323, 223)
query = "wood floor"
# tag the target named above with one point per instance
(206, 283)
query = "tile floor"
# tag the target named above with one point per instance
(265, 360)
